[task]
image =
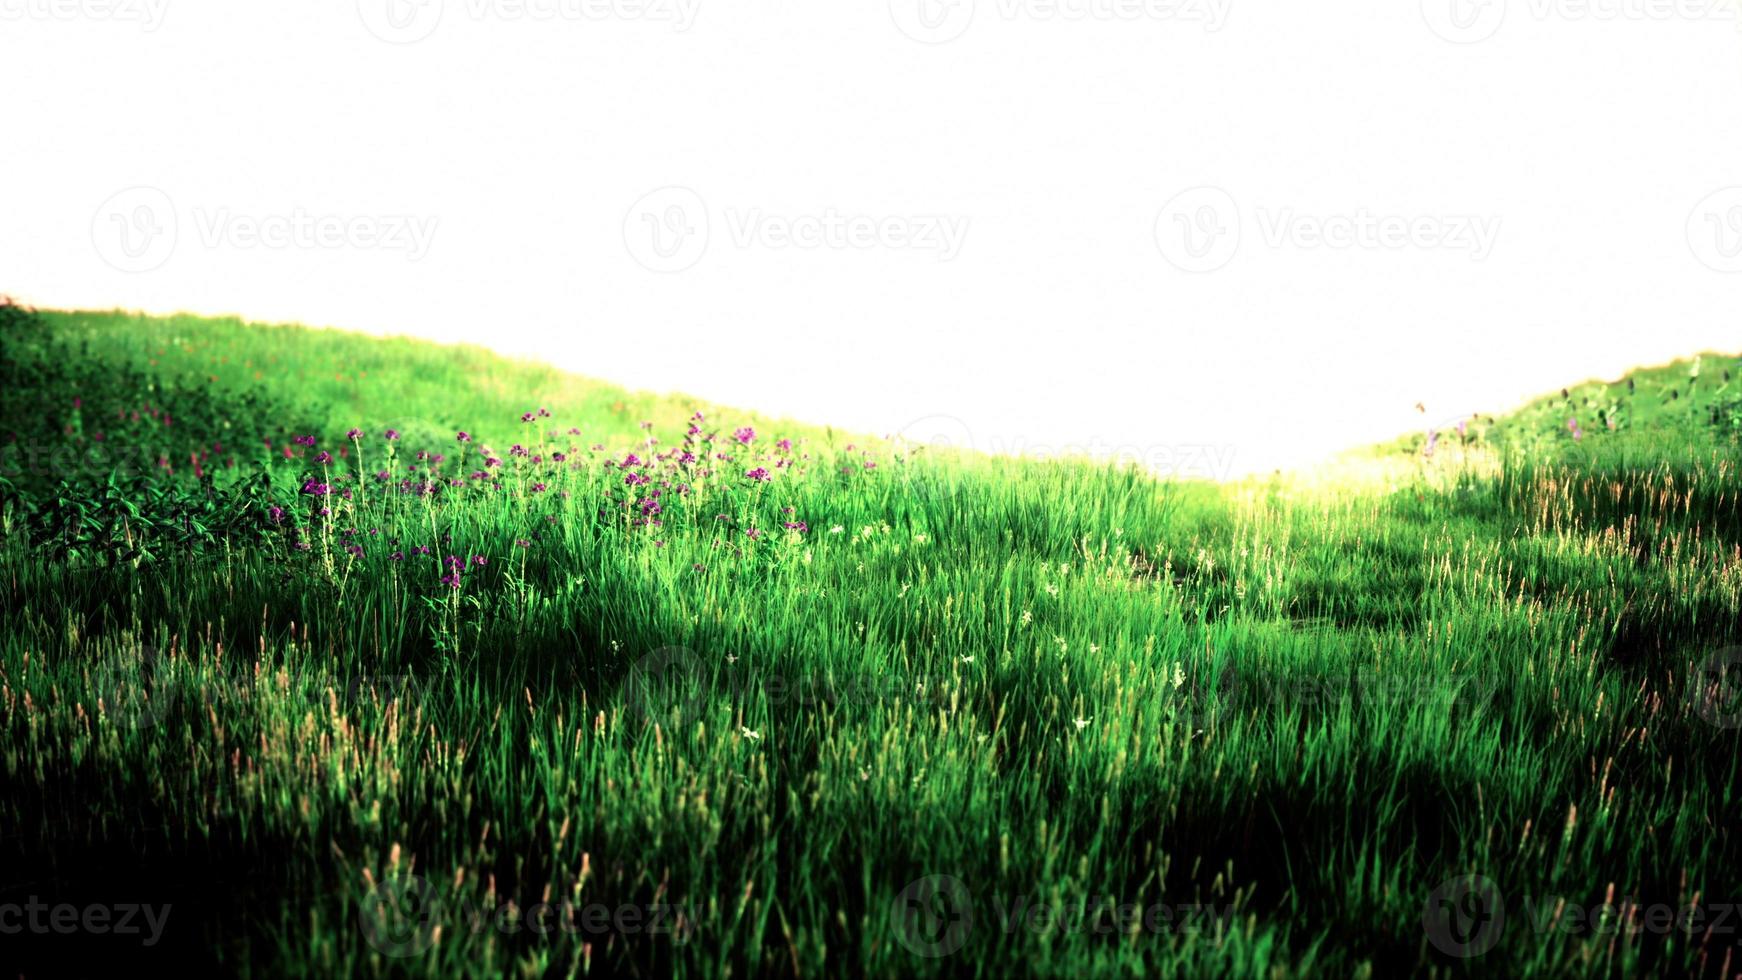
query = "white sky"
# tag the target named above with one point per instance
(1028, 177)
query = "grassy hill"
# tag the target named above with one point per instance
(686, 689)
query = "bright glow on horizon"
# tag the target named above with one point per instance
(1271, 238)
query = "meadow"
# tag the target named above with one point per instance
(359, 656)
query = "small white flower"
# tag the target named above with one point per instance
(731, 658)
(1094, 648)
(919, 538)
(1081, 723)
(1027, 617)
(1052, 590)
(753, 736)
(967, 659)
(837, 529)
(865, 774)
(1179, 677)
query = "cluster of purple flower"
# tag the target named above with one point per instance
(647, 483)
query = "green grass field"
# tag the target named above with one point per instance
(643, 686)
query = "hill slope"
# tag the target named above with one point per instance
(779, 700)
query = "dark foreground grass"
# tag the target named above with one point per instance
(726, 696)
